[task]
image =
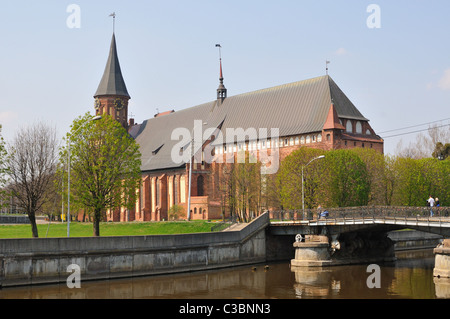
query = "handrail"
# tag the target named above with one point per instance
(363, 212)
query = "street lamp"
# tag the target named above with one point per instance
(95, 118)
(303, 184)
(190, 174)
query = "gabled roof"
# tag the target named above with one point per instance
(112, 82)
(295, 108)
(332, 121)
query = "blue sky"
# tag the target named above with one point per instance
(397, 75)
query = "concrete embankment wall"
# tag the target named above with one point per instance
(413, 239)
(45, 260)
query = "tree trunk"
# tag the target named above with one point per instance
(34, 229)
(96, 223)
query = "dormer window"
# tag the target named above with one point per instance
(349, 127)
(155, 151)
(358, 128)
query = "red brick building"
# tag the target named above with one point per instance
(271, 122)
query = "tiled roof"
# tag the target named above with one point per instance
(294, 108)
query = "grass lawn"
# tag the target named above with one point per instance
(78, 229)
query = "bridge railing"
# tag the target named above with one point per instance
(361, 212)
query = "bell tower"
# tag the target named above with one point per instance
(112, 96)
(221, 90)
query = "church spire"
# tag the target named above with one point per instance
(112, 82)
(221, 90)
(112, 96)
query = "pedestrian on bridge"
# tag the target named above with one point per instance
(431, 202)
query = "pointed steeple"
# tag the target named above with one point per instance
(112, 82)
(221, 90)
(332, 121)
(112, 96)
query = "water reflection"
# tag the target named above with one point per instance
(411, 276)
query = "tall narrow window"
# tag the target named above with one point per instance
(175, 190)
(200, 186)
(182, 189)
(157, 192)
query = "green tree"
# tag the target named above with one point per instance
(441, 151)
(377, 174)
(289, 179)
(389, 180)
(346, 181)
(104, 166)
(176, 212)
(416, 179)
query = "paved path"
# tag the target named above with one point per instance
(236, 227)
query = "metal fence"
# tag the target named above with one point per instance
(361, 212)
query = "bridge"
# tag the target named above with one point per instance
(351, 219)
(359, 234)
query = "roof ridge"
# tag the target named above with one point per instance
(317, 78)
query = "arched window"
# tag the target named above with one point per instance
(302, 140)
(308, 139)
(200, 185)
(291, 141)
(182, 189)
(349, 127)
(297, 141)
(157, 192)
(319, 138)
(368, 132)
(175, 190)
(358, 127)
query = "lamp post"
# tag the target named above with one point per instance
(95, 118)
(190, 174)
(303, 184)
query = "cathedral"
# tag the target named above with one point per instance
(182, 150)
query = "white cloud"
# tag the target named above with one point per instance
(444, 82)
(341, 51)
(7, 116)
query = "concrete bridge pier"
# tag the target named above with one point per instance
(344, 248)
(442, 260)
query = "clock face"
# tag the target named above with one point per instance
(97, 104)
(118, 103)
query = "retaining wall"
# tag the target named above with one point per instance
(45, 260)
(19, 219)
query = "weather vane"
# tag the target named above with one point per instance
(326, 65)
(220, 54)
(114, 20)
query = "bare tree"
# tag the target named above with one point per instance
(31, 162)
(425, 145)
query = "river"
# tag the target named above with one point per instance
(411, 276)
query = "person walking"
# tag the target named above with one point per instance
(431, 201)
